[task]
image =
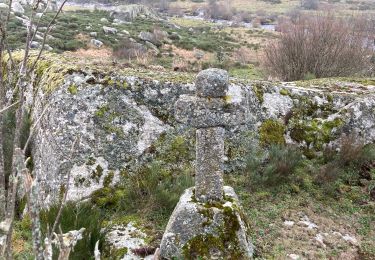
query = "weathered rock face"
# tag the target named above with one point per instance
(117, 118)
(131, 12)
(216, 231)
(121, 240)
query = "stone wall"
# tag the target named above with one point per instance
(118, 116)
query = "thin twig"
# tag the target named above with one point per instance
(8, 107)
(34, 127)
(46, 33)
(63, 200)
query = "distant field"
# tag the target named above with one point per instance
(244, 5)
(253, 6)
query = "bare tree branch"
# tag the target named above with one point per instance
(33, 128)
(9, 107)
(49, 27)
(63, 200)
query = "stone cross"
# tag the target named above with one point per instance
(209, 111)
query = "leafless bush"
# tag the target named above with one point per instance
(129, 50)
(310, 4)
(323, 46)
(217, 10)
(243, 56)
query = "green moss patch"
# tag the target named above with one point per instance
(272, 132)
(224, 243)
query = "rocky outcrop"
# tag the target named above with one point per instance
(118, 115)
(131, 12)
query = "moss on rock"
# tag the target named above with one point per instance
(272, 132)
(222, 244)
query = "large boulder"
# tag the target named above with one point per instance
(119, 116)
(208, 231)
(133, 11)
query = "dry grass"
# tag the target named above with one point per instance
(103, 53)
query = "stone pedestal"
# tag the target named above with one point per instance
(198, 230)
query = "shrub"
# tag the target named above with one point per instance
(345, 169)
(272, 132)
(129, 50)
(276, 167)
(217, 10)
(353, 152)
(75, 216)
(310, 4)
(323, 46)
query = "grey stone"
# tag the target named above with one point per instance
(199, 112)
(214, 231)
(149, 37)
(199, 54)
(4, 6)
(17, 7)
(39, 37)
(130, 12)
(207, 221)
(174, 36)
(96, 43)
(209, 164)
(152, 47)
(125, 238)
(212, 83)
(146, 108)
(34, 45)
(104, 20)
(93, 34)
(109, 30)
(48, 48)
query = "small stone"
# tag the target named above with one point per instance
(93, 34)
(288, 223)
(294, 257)
(351, 240)
(109, 30)
(96, 43)
(150, 37)
(104, 20)
(152, 47)
(48, 48)
(34, 45)
(212, 83)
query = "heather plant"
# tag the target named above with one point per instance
(278, 165)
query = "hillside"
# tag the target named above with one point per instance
(120, 140)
